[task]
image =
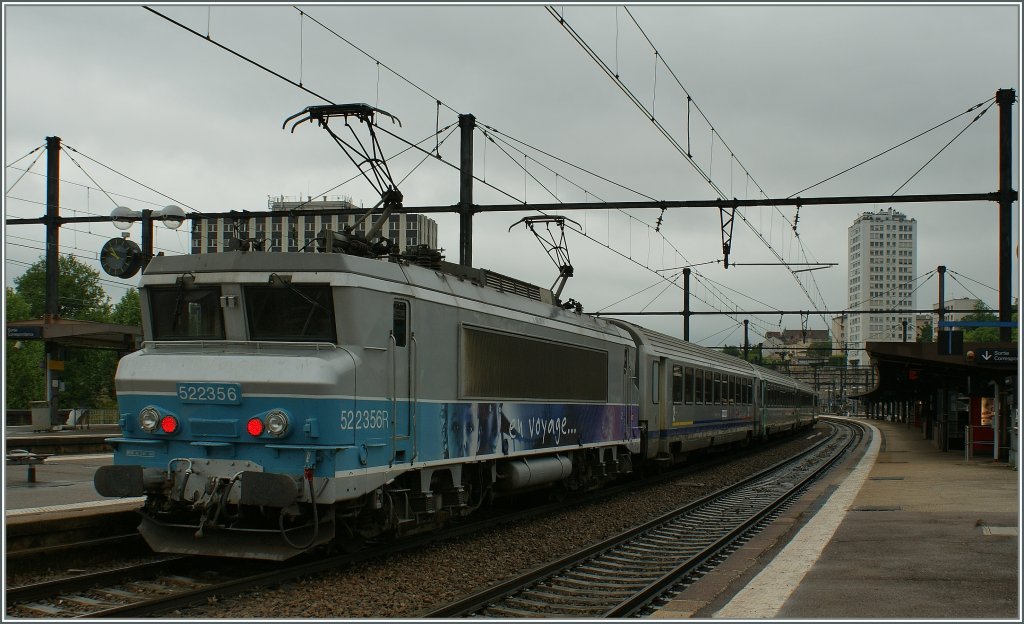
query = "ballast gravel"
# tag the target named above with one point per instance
(404, 586)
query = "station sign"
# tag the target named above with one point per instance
(24, 333)
(996, 356)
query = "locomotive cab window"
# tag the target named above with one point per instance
(183, 313)
(290, 312)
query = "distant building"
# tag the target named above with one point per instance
(792, 344)
(285, 232)
(955, 309)
(838, 334)
(882, 248)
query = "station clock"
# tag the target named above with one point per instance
(121, 257)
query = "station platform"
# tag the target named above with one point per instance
(63, 441)
(61, 485)
(903, 531)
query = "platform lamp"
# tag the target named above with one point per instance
(121, 257)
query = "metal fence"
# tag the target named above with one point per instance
(21, 417)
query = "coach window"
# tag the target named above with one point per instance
(716, 388)
(732, 389)
(708, 384)
(655, 380)
(677, 384)
(400, 324)
(698, 386)
(688, 388)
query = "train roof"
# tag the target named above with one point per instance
(440, 283)
(669, 346)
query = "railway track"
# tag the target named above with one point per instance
(621, 576)
(155, 588)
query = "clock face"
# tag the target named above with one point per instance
(121, 257)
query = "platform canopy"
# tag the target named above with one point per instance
(912, 370)
(77, 334)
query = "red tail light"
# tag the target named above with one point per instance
(168, 424)
(254, 427)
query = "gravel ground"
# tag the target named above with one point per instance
(405, 585)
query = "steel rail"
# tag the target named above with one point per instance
(644, 597)
(480, 600)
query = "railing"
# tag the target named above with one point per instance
(969, 440)
(91, 416)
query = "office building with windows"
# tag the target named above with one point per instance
(283, 231)
(882, 267)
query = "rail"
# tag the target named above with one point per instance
(622, 575)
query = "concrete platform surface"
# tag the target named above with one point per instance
(905, 532)
(63, 483)
(62, 441)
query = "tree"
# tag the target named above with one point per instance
(730, 350)
(81, 296)
(88, 373)
(820, 349)
(128, 310)
(927, 333)
(837, 359)
(24, 359)
(984, 334)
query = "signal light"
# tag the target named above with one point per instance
(254, 427)
(168, 424)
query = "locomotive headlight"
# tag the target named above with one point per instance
(277, 423)
(148, 419)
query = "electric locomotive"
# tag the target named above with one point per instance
(285, 400)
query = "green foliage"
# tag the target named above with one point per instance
(837, 360)
(984, 334)
(128, 310)
(927, 333)
(24, 359)
(88, 374)
(730, 350)
(78, 285)
(820, 348)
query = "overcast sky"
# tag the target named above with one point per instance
(794, 94)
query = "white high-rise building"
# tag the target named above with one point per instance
(282, 231)
(882, 264)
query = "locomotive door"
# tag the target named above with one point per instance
(402, 386)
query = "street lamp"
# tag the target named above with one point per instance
(172, 216)
(121, 257)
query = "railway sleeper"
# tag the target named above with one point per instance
(542, 607)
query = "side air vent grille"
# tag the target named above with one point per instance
(507, 284)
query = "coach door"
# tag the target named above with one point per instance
(402, 356)
(760, 407)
